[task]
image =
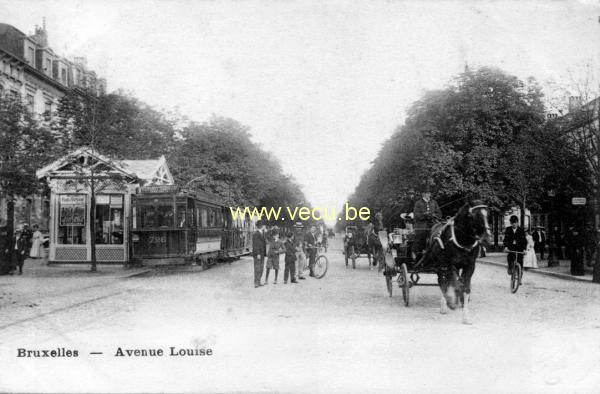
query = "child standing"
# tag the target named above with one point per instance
(275, 248)
(290, 259)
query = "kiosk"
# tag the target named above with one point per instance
(71, 179)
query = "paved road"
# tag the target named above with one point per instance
(338, 334)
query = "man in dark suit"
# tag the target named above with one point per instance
(426, 213)
(539, 241)
(514, 241)
(259, 251)
(310, 243)
(19, 248)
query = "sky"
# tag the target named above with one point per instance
(321, 84)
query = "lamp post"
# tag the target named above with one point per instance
(552, 240)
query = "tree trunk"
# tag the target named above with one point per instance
(523, 214)
(10, 215)
(596, 202)
(93, 223)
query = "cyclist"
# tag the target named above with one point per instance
(514, 241)
(310, 245)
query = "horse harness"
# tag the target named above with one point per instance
(450, 222)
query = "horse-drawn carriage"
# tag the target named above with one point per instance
(402, 261)
(451, 251)
(356, 244)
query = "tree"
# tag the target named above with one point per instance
(224, 159)
(24, 143)
(85, 120)
(462, 138)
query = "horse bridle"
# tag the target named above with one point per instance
(453, 235)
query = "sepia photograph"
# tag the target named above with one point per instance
(424, 174)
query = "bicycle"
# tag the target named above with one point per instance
(516, 273)
(321, 263)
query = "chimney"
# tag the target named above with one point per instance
(41, 35)
(80, 60)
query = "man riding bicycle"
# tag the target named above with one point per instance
(514, 241)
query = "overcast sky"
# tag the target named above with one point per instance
(321, 84)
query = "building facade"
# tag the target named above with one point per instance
(31, 70)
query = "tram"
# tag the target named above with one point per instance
(176, 226)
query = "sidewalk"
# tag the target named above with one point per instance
(563, 270)
(41, 286)
(39, 268)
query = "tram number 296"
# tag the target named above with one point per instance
(157, 239)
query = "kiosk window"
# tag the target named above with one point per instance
(71, 219)
(109, 219)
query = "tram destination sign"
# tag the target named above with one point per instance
(159, 189)
(578, 201)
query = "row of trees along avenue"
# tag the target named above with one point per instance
(488, 135)
(217, 156)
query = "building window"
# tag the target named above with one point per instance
(63, 76)
(30, 101)
(48, 66)
(47, 108)
(109, 219)
(71, 219)
(31, 57)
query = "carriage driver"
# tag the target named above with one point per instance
(426, 213)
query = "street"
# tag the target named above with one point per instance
(338, 334)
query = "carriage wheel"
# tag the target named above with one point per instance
(388, 282)
(404, 283)
(321, 265)
(515, 277)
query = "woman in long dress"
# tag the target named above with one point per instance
(530, 259)
(36, 243)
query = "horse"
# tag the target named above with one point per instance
(452, 251)
(374, 247)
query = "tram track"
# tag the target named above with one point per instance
(62, 309)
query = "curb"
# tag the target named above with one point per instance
(539, 271)
(134, 274)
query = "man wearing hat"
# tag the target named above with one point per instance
(539, 241)
(18, 248)
(426, 213)
(514, 241)
(259, 251)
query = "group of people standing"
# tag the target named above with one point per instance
(15, 248)
(296, 247)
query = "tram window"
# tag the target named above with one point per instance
(181, 216)
(190, 216)
(204, 217)
(148, 216)
(109, 219)
(211, 218)
(165, 216)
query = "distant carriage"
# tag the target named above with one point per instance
(356, 245)
(174, 226)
